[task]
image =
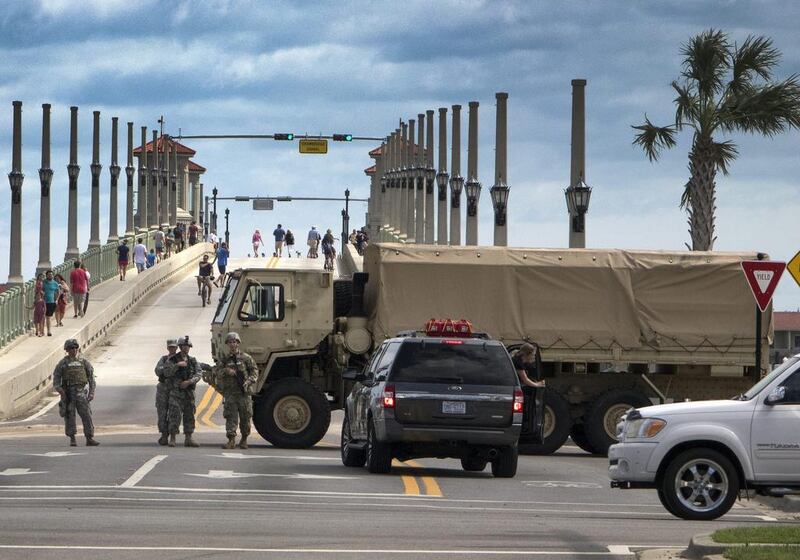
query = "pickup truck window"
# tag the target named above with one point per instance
(263, 302)
(758, 387)
(792, 385)
(462, 364)
(225, 300)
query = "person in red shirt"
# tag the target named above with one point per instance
(79, 284)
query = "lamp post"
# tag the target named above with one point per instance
(142, 200)
(419, 171)
(227, 232)
(95, 168)
(129, 171)
(206, 221)
(578, 196)
(499, 192)
(472, 187)
(73, 170)
(430, 177)
(456, 181)
(442, 178)
(114, 170)
(401, 182)
(578, 192)
(45, 180)
(173, 201)
(154, 189)
(346, 218)
(15, 179)
(214, 192)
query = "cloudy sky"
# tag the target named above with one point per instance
(307, 67)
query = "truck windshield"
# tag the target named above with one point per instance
(463, 364)
(758, 387)
(225, 300)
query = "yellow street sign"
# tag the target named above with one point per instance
(308, 146)
(793, 266)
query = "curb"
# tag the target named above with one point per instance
(789, 503)
(703, 545)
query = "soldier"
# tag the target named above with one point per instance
(182, 374)
(237, 374)
(162, 390)
(70, 378)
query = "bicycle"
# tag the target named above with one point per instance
(205, 289)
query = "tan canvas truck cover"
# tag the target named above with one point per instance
(588, 304)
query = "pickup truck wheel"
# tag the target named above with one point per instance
(473, 464)
(605, 413)
(379, 454)
(505, 465)
(294, 414)
(699, 485)
(557, 423)
(351, 457)
(578, 436)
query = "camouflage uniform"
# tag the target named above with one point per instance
(237, 405)
(73, 375)
(162, 394)
(181, 401)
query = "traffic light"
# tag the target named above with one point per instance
(343, 137)
(283, 136)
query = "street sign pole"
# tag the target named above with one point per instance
(757, 374)
(763, 278)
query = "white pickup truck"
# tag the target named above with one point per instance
(700, 455)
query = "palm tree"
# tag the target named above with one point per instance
(724, 88)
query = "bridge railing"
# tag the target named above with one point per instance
(16, 315)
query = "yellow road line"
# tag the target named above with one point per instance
(273, 262)
(211, 410)
(409, 482)
(431, 486)
(204, 401)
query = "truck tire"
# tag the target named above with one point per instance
(379, 454)
(699, 484)
(473, 464)
(505, 465)
(342, 297)
(600, 422)
(294, 414)
(351, 457)
(578, 436)
(557, 423)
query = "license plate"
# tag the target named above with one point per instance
(454, 407)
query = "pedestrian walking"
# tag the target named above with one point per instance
(162, 390)
(158, 239)
(178, 233)
(313, 242)
(88, 288)
(212, 238)
(39, 307)
(79, 285)
(280, 237)
(170, 242)
(257, 242)
(289, 242)
(73, 379)
(182, 377)
(194, 230)
(61, 301)
(222, 264)
(123, 252)
(151, 258)
(140, 255)
(236, 373)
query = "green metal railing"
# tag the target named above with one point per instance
(15, 316)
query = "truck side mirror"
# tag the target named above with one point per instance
(353, 375)
(778, 395)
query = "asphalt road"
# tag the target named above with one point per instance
(132, 499)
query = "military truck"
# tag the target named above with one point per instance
(616, 329)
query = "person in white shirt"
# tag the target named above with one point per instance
(212, 238)
(140, 255)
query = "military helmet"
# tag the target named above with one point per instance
(232, 337)
(172, 342)
(184, 341)
(71, 343)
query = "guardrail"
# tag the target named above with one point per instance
(101, 262)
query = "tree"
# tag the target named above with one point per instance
(724, 88)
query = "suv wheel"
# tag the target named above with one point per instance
(473, 464)
(699, 484)
(351, 457)
(505, 465)
(294, 414)
(379, 454)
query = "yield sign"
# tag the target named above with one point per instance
(793, 266)
(763, 277)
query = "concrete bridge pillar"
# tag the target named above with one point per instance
(129, 171)
(441, 179)
(404, 183)
(419, 172)
(164, 202)
(154, 185)
(143, 201)
(173, 199)
(473, 186)
(456, 180)
(500, 190)
(577, 170)
(45, 181)
(96, 168)
(73, 170)
(430, 177)
(114, 169)
(15, 179)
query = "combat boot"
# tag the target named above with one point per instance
(91, 442)
(163, 439)
(243, 443)
(189, 442)
(231, 443)
(72, 442)
(171, 440)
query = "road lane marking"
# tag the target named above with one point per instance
(55, 454)
(45, 409)
(303, 476)
(204, 401)
(212, 408)
(410, 486)
(228, 455)
(142, 471)
(431, 486)
(20, 472)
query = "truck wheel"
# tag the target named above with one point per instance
(578, 436)
(505, 465)
(699, 484)
(294, 414)
(379, 454)
(605, 413)
(351, 457)
(557, 423)
(342, 297)
(473, 464)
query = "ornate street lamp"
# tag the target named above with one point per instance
(499, 194)
(578, 196)
(473, 190)
(214, 192)
(456, 187)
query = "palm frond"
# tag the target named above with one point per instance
(768, 109)
(756, 56)
(686, 103)
(686, 199)
(652, 139)
(706, 61)
(724, 153)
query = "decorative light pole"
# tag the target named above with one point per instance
(165, 198)
(73, 170)
(114, 169)
(346, 219)
(442, 177)
(154, 188)
(578, 192)
(227, 230)
(499, 192)
(419, 171)
(401, 178)
(15, 180)
(430, 177)
(214, 192)
(473, 187)
(456, 181)
(45, 180)
(96, 168)
(143, 201)
(129, 172)
(173, 200)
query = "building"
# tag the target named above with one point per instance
(787, 335)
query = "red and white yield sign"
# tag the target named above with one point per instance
(763, 277)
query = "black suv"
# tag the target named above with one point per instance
(423, 396)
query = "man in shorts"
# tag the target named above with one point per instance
(280, 236)
(51, 288)
(222, 264)
(122, 259)
(140, 256)
(158, 239)
(79, 285)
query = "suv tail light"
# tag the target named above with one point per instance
(519, 400)
(388, 396)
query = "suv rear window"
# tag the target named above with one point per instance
(463, 363)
